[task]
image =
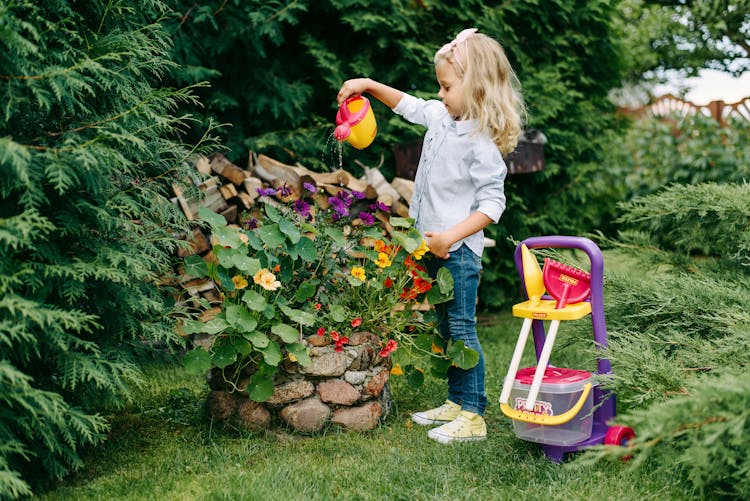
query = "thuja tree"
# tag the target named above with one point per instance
(86, 225)
(275, 68)
(678, 335)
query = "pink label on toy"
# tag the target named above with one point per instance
(540, 407)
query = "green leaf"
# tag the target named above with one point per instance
(192, 326)
(354, 281)
(290, 230)
(337, 236)
(445, 280)
(197, 361)
(242, 346)
(465, 358)
(410, 244)
(246, 264)
(414, 376)
(305, 291)
(300, 353)
(271, 354)
(401, 222)
(216, 325)
(272, 213)
(299, 316)
(241, 318)
(228, 237)
(254, 300)
(215, 220)
(439, 366)
(338, 313)
(307, 250)
(224, 355)
(287, 333)
(195, 266)
(271, 235)
(260, 387)
(258, 339)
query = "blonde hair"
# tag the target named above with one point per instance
(492, 91)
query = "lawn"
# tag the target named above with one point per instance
(162, 447)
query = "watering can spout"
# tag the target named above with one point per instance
(355, 122)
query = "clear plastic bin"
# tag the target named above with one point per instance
(561, 388)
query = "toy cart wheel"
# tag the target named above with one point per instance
(618, 435)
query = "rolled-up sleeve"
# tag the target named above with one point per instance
(488, 171)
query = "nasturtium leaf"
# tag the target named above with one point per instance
(217, 324)
(254, 300)
(290, 230)
(258, 339)
(307, 250)
(300, 353)
(414, 376)
(254, 241)
(246, 264)
(197, 361)
(439, 366)
(299, 316)
(242, 346)
(260, 387)
(224, 355)
(445, 280)
(214, 219)
(424, 342)
(228, 237)
(338, 313)
(408, 243)
(305, 291)
(354, 281)
(287, 333)
(401, 222)
(225, 279)
(195, 266)
(192, 326)
(241, 318)
(271, 354)
(271, 235)
(465, 358)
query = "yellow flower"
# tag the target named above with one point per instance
(397, 370)
(421, 251)
(239, 282)
(358, 272)
(383, 261)
(266, 279)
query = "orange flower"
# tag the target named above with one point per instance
(357, 322)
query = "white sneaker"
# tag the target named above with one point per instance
(467, 427)
(439, 415)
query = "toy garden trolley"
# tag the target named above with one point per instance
(560, 408)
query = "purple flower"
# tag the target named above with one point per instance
(367, 218)
(266, 192)
(251, 223)
(380, 206)
(340, 207)
(302, 208)
(358, 195)
(285, 190)
(310, 187)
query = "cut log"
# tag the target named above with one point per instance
(203, 165)
(226, 169)
(198, 244)
(228, 191)
(404, 187)
(375, 178)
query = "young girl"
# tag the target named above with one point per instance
(458, 191)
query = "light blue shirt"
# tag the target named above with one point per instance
(460, 172)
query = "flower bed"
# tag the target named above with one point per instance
(319, 299)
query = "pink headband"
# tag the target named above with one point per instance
(453, 45)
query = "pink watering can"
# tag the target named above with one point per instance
(355, 122)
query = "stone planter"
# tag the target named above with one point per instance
(345, 388)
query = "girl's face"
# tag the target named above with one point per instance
(450, 89)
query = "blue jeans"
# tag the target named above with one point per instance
(457, 322)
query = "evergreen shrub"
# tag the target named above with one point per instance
(86, 224)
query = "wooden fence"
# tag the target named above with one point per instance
(668, 105)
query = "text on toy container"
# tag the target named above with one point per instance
(540, 407)
(568, 279)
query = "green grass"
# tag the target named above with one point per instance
(162, 447)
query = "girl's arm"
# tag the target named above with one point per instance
(383, 93)
(440, 242)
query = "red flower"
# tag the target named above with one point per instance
(334, 335)
(318, 306)
(388, 283)
(389, 348)
(340, 342)
(321, 331)
(357, 322)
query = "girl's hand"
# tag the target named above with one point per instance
(355, 86)
(438, 244)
